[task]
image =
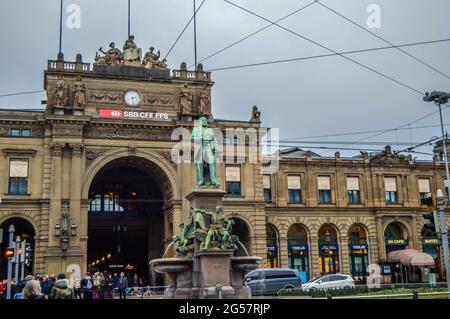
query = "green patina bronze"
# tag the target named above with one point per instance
(205, 148)
(213, 230)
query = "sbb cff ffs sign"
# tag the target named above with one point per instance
(119, 114)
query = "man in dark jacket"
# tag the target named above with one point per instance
(87, 286)
(61, 289)
(122, 285)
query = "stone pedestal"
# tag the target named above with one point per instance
(206, 198)
(214, 269)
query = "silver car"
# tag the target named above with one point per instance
(332, 281)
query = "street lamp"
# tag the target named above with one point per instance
(441, 203)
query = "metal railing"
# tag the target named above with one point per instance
(147, 291)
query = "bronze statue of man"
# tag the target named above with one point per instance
(205, 148)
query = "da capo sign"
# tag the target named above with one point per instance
(133, 115)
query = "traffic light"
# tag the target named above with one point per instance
(430, 225)
(9, 252)
(429, 201)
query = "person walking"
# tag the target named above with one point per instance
(135, 280)
(86, 286)
(96, 288)
(110, 286)
(122, 286)
(32, 290)
(74, 281)
(61, 288)
(104, 285)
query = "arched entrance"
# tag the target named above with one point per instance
(241, 229)
(128, 198)
(396, 238)
(358, 247)
(328, 250)
(25, 230)
(298, 256)
(272, 246)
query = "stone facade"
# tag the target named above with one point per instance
(68, 147)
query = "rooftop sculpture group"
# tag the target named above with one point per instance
(131, 54)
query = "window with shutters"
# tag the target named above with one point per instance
(324, 187)
(233, 180)
(424, 187)
(18, 177)
(267, 189)
(390, 189)
(294, 189)
(353, 190)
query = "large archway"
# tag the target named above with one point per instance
(328, 249)
(241, 229)
(298, 256)
(127, 216)
(358, 247)
(25, 230)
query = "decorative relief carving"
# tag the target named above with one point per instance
(92, 154)
(57, 149)
(68, 130)
(118, 133)
(77, 149)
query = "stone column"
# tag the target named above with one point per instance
(76, 173)
(283, 251)
(344, 263)
(314, 257)
(380, 235)
(55, 190)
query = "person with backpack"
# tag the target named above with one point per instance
(61, 288)
(87, 286)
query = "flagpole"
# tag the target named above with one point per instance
(129, 17)
(60, 25)
(195, 35)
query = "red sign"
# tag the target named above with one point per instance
(113, 114)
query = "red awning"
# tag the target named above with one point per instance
(411, 257)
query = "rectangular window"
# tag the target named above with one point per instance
(424, 187)
(267, 189)
(294, 189)
(353, 190)
(18, 177)
(324, 187)
(390, 188)
(14, 132)
(26, 132)
(233, 180)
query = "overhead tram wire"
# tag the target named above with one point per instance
(384, 40)
(185, 28)
(256, 32)
(21, 93)
(393, 129)
(327, 48)
(325, 55)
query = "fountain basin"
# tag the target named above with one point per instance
(245, 263)
(171, 265)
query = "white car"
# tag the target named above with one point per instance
(333, 281)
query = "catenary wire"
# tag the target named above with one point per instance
(327, 48)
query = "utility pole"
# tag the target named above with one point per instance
(195, 35)
(441, 203)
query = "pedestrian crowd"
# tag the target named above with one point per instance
(99, 285)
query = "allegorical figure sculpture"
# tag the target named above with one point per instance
(151, 60)
(256, 114)
(59, 93)
(203, 102)
(131, 52)
(112, 57)
(205, 148)
(212, 229)
(79, 90)
(185, 100)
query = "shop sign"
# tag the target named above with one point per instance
(298, 247)
(431, 241)
(328, 247)
(119, 114)
(396, 242)
(271, 248)
(358, 246)
(386, 269)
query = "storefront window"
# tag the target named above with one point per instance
(328, 250)
(272, 247)
(358, 251)
(298, 257)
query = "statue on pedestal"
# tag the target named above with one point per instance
(79, 90)
(151, 60)
(185, 100)
(131, 52)
(256, 114)
(112, 57)
(205, 148)
(203, 102)
(59, 93)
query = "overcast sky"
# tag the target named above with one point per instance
(326, 96)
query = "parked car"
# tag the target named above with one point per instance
(270, 281)
(333, 281)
